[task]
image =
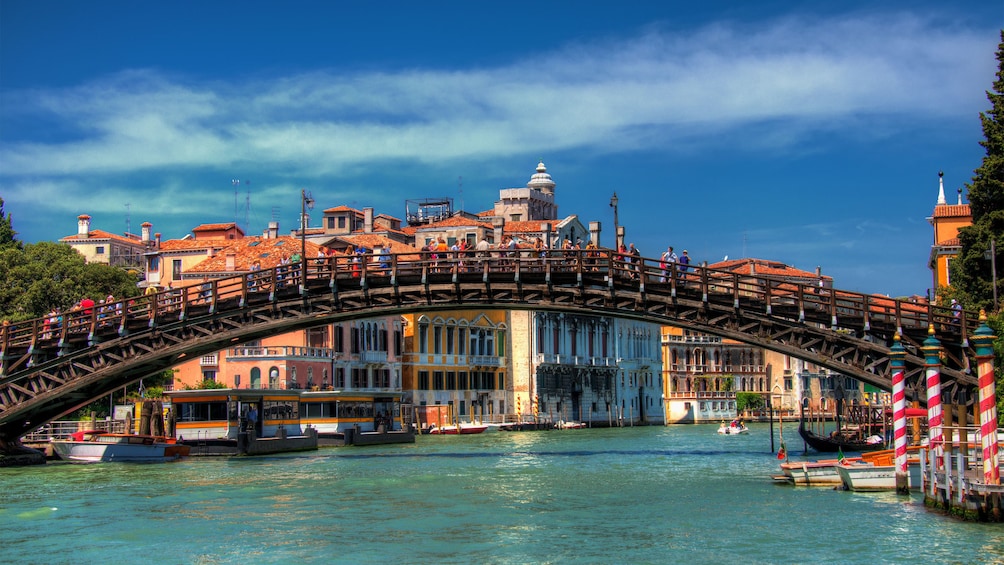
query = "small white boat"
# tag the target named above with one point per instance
(821, 473)
(865, 477)
(95, 446)
(563, 425)
(462, 429)
(736, 427)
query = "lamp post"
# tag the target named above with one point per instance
(992, 255)
(613, 204)
(306, 201)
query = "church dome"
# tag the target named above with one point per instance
(541, 180)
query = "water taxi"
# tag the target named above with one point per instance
(459, 429)
(220, 416)
(735, 427)
(96, 446)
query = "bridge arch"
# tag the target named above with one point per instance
(45, 376)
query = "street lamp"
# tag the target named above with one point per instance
(306, 202)
(992, 255)
(613, 204)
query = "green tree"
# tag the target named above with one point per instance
(8, 237)
(972, 275)
(749, 401)
(45, 275)
(971, 271)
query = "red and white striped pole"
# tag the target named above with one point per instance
(898, 366)
(935, 419)
(983, 340)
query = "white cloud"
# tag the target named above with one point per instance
(792, 74)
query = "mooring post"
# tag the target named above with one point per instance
(898, 365)
(932, 363)
(983, 340)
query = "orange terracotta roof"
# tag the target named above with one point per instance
(371, 241)
(342, 208)
(131, 239)
(452, 222)
(526, 226)
(190, 244)
(953, 242)
(268, 252)
(952, 211)
(216, 227)
(486, 214)
(764, 267)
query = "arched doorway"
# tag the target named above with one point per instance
(255, 378)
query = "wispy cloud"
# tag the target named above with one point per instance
(662, 88)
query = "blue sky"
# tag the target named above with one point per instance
(794, 131)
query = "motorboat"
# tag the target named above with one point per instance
(735, 427)
(821, 473)
(461, 429)
(563, 425)
(96, 446)
(876, 472)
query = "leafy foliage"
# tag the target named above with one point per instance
(38, 277)
(971, 271)
(8, 237)
(206, 385)
(972, 274)
(749, 401)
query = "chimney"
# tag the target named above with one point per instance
(594, 232)
(273, 230)
(156, 238)
(231, 261)
(145, 232)
(497, 225)
(545, 230)
(83, 226)
(368, 220)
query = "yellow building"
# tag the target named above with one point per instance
(458, 358)
(99, 246)
(946, 220)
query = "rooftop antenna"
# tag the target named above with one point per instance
(128, 219)
(236, 183)
(460, 184)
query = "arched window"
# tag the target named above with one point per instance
(255, 378)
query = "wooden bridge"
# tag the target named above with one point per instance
(51, 367)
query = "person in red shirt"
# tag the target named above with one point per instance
(87, 305)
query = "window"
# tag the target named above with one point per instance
(341, 222)
(450, 331)
(100, 250)
(423, 338)
(331, 222)
(176, 269)
(423, 380)
(437, 339)
(437, 380)
(209, 375)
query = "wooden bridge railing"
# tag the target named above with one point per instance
(777, 297)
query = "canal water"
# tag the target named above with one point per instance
(679, 494)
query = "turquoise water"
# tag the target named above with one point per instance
(630, 495)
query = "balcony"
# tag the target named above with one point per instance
(282, 351)
(208, 360)
(373, 356)
(486, 361)
(710, 339)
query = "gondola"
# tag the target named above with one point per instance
(839, 441)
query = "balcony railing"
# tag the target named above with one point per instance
(283, 351)
(208, 360)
